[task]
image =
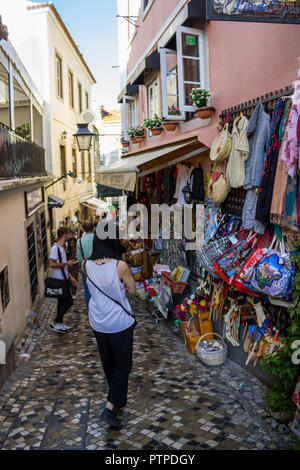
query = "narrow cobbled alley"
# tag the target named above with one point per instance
(54, 398)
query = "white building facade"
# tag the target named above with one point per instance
(65, 83)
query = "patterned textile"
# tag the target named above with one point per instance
(290, 216)
(290, 153)
(266, 190)
(212, 215)
(280, 182)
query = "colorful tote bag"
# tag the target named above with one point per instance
(229, 264)
(273, 273)
(242, 282)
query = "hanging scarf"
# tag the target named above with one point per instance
(268, 176)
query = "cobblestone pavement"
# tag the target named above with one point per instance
(55, 397)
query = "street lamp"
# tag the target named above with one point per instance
(187, 193)
(84, 137)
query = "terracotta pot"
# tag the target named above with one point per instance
(170, 126)
(205, 112)
(133, 140)
(125, 144)
(139, 138)
(157, 130)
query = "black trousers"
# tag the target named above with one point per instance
(115, 351)
(63, 306)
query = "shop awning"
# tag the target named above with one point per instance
(123, 174)
(94, 203)
(107, 191)
(55, 202)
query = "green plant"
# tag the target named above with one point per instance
(123, 140)
(173, 110)
(23, 130)
(152, 123)
(199, 97)
(136, 132)
(280, 364)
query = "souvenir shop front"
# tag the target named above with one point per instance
(239, 283)
(243, 273)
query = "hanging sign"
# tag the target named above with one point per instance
(33, 200)
(266, 11)
(190, 40)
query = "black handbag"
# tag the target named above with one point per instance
(57, 288)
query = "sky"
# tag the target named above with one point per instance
(94, 27)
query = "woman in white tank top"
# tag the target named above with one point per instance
(110, 316)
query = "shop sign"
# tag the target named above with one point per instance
(190, 40)
(266, 11)
(33, 200)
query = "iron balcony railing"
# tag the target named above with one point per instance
(19, 157)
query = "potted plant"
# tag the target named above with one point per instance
(124, 142)
(154, 124)
(132, 134)
(200, 99)
(171, 125)
(139, 133)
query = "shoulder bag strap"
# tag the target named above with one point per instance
(114, 300)
(60, 260)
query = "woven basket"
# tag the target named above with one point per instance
(191, 338)
(177, 287)
(213, 358)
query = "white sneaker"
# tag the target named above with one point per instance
(57, 328)
(65, 327)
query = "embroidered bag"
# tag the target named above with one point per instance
(229, 264)
(242, 282)
(272, 274)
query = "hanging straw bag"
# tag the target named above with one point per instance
(219, 188)
(221, 145)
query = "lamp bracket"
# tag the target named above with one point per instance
(129, 19)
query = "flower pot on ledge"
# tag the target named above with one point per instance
(133, 140)
(139, 138)
(170, 126)
(156, 130)
(205, 112)
(125, 144)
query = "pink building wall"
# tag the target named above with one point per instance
(246, 60)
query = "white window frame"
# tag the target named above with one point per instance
(164, 89)
(181, 57)
(125, 123)
(59, 78)
(149, 87)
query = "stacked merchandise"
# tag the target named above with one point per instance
(173, 253)
(158, 297)
(177, 279)
(134, 257)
